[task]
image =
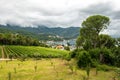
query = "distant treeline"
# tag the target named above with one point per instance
(17, 39)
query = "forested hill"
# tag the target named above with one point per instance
(42, 32)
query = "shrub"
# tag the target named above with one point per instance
(117, 73)
(74, 53)
(67, 48)
(94, 53)
(67, 57)
(108, 57)
(103, 56)
(15, 70)
(35, 68)
(104, 68)
(83, 59)
(9, 76)
(116, 52)
(94, 63)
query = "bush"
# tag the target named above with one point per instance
(117, 73)
(94, 57)
(83, 59)
(74, 53)
(67, 48)
(108, 57)
(116, 52)
(103, 56)
(104, 68)
(67, 57)
(94, 53)
(94, 63)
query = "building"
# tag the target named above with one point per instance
(60, 47)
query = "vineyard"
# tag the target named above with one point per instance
(30, 52)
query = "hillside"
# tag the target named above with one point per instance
(42, 32)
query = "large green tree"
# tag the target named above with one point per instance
(106, 41)
(118, 42)
(91, 29)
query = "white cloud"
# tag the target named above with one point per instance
(55, 13)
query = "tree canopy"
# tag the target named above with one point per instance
(95, 24)
(91, 29)
(18, 39)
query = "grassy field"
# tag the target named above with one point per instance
(0, 51)
(46, 69)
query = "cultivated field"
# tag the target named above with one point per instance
(30, 52)
(46, 69)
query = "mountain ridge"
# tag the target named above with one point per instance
(42, 32)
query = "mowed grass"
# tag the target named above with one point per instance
(47, 69)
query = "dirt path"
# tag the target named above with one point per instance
(6, 59)
(2, 52)
(3, 55)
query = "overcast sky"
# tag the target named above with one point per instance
(59, 13)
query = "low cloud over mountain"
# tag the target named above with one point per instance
(58, 13)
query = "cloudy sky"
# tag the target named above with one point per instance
(59, 13)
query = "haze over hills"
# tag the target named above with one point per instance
(42, 32)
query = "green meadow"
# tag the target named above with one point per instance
(46, 69)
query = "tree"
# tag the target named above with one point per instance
(91, 29)
(79, 42)
(106, 41)
(17, 39)
(118, 42)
